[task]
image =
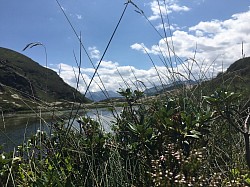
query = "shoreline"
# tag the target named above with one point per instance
(58, 108)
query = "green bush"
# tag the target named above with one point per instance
(170, 141)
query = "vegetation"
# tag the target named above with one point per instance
(235, 79)
(195, 136)
(23, 80)
(170, 142)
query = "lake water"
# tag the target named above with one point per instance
(16, 129)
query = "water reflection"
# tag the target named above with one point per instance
(16, 129)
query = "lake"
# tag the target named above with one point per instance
(16, 129)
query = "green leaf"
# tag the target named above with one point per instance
(149, 131)
(195, 132)
(247, 180)
(50, 167)
(210, 100)
(132, 127)
(192, 136)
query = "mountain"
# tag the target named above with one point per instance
(241, 67)
(168, 87)
(21, 77)
(236, 78)
(102, 95)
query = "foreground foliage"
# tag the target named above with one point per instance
(172, 141)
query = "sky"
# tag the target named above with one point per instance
(155, 43)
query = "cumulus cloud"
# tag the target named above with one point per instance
(165, 8)
(212, 40)
(94, 52)
(109, 64)
(172, 27)
(155, 49)
(112, 76)
(139, 47)
(211, 43)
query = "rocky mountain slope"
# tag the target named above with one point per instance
(23, 79)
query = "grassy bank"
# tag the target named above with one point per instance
(173, 141)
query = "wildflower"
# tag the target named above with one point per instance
(162, 158)
(3, 157)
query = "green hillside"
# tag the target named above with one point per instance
(21, 77)
(236, 79)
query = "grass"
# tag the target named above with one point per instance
(178, 138)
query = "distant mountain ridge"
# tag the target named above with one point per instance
(239, 70)
(236, 78)
(105, 95)
(102, 95)
(28, 79)
(167, 87)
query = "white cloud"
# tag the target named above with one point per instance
(94, 52)
(199, 33)
(214, 27)
(109, 64)
(177, 8)
(138, 47)
(212, 40)
(164, 9)
(78, 16)
(213, 43)
(113, 76)
(167, 27)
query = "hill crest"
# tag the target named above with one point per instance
(21, 75)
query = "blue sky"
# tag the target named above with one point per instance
(210, 31)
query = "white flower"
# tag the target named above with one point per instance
(3, 157)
